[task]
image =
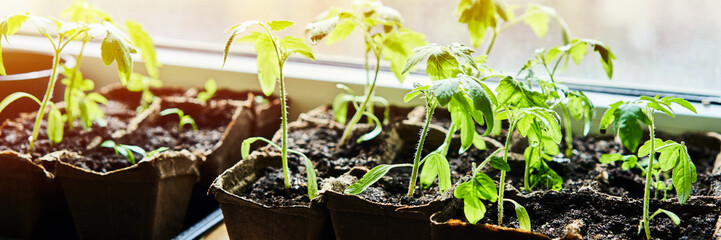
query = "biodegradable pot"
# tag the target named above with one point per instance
(28, 72)
(144, 201)
(247, 219)
(444, 228)
(33, 205)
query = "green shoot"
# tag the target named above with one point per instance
(182, 118)
(526, 110)
(394, 43)
(128, 151)
(210, 88)
(309, 168)
(673, 156)
(115, 47)
(272, 54)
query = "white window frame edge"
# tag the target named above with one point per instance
(312, 84)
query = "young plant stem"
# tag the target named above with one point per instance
(359, 112)
(502, 181)
(449, 137)
(416, 160)
(71, 86)
(284, 129)
(46, 99)
(647, 191)
(568, 131)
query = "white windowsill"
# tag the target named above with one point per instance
(312, 84)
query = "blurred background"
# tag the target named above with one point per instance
(659, 44)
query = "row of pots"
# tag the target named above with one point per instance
(334, 215)
(45, 196)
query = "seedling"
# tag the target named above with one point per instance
(116, 47)
(394, 43)
(182, 118)
(573, 104)
(272, 54)
(468, 100)
(128, 151)
(673, 156)
(210, 88)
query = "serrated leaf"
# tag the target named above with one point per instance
(267, 61)
(144, 43)
(645, 149)
(537, 19)
(578, 51)
(436, 165)
(398, 47)
(440, 63)
(627, 126)
(481, 102)
(9, 26)
(684, 175)
(295, 45)
(444, 90)
(116, 48)
(320, 29)
(515, 93)
(279, 25)
(341, 31)
(479, 15)
(683, 103)
(81, 11)
(605, 53)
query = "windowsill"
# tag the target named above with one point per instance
(314, 84)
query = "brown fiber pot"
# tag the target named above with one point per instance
(144, 201)
(32, 205)
(247, 219)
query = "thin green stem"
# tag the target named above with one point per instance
(490, 45)
(449, 137)
(71, 87)
(416, 160)
(647, 191)
(502, 181)
(568, 133)
(46, 99)
(359, 113)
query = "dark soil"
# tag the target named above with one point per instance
(269, 189)
(16, 132)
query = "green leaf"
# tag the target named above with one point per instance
(445, 89)
(605, 53)
(524, 221)
(340, 107)
(295, 45)
(81, 11)
(398, 47)
(187, 120)
(142, 40)
(55, 125)
(684, 175)
(473, 209)
(515, 93)
(578, 51)
(9, 26)
(320, 29)
(481, 102)
(436, 165)
(169, 111)
(441, 64)
(478, 142)
(373, 133)
(210, 88)
(342, 30)
(609, 116)
(235, 30)
(245, 146)
(15, 96)
(682, 103)
(371, 177)
(674, 218)
(537, 19)
(279, 25)
(461, 116)
(645, 149)
(267, 61)
(498, 163)
(479, 15)
(117, 48)
(310, 174)
(627, 127)
(411, 95)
